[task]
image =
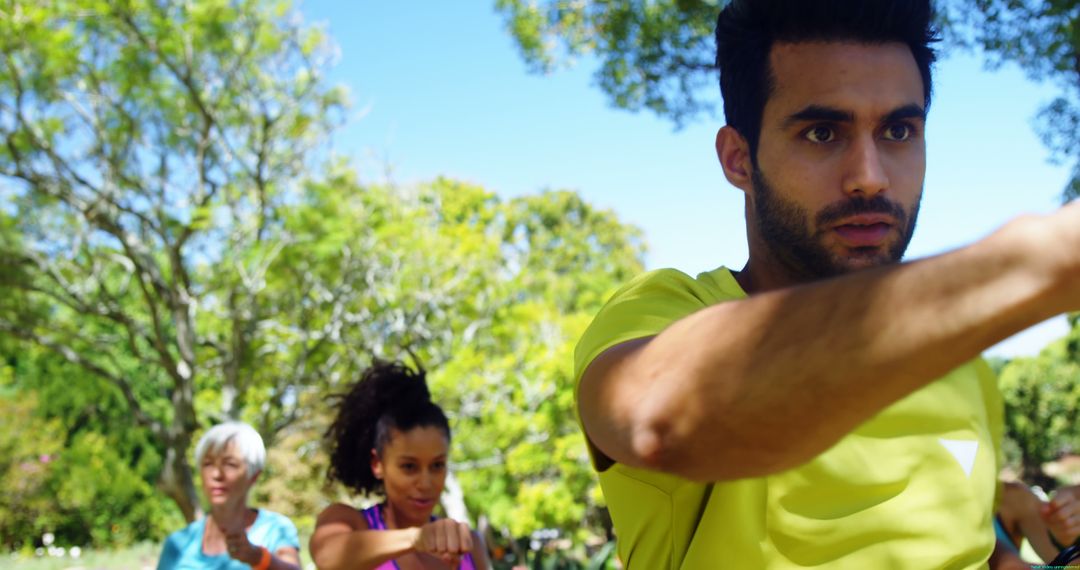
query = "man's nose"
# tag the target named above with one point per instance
(864, 172)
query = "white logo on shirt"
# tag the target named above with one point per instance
(963, 450)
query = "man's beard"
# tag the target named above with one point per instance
(786, 230)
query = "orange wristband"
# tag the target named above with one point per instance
(264, 562)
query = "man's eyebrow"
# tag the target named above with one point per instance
(816, 113)
(911, 111)
(820, 113)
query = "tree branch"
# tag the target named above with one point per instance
(74, 357)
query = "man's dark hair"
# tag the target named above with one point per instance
(389, 396)
(747, 29)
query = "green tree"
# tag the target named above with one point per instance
(27, 444)
(147, 148)
(659, 54)
(1042, 408)
(1043, 38)
(97, 482)
(161, 235)
(490, 296)
(656, 55)
(523, 461)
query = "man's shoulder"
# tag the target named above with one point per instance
(671, 291)
(711, 286)
(649, 303)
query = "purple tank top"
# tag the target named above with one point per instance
(374, 517)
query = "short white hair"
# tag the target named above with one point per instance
(247, 441)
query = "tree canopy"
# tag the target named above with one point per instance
(659, 54)
(148, 148)
(181, 247)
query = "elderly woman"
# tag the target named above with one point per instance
(233, 536)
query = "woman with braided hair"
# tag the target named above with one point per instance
(390, 439)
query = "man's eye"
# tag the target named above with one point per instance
(820, 134)
(898, 132)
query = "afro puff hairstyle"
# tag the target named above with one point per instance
(388, 396)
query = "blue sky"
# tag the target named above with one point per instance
(438, 88)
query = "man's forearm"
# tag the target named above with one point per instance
(751, 387)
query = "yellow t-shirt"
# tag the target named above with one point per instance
(912, 488)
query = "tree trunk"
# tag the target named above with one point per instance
(177, 482)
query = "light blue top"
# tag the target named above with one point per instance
(183, 548)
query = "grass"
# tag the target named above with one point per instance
(139, 557)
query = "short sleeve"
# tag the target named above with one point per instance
(642, 308)
(286, 535)
(170, 554)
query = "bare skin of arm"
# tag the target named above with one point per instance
(1004, 558)
(757, 386)
(342, 540)
(1019, 513)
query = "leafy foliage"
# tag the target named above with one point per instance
(79, 470)
(1042, 408)
(1043, 38)
(147, 148)
(658, 54)
(27, 444)
(490, 296)
(655, 55)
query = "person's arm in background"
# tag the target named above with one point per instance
(343, 541)
(1005, 558)
(240, 548)
(1020, 516)
(752, 387)
(1062, 516)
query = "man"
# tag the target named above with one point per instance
(825, 406)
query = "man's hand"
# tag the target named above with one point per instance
(445, 539)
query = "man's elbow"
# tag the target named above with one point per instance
(704, 453)
(660, 444)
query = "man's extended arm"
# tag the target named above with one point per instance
(756, 386)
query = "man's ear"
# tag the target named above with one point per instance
(376, 465)
(734, 154)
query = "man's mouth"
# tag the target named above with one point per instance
(864, 231)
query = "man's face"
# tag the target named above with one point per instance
(841, 158)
